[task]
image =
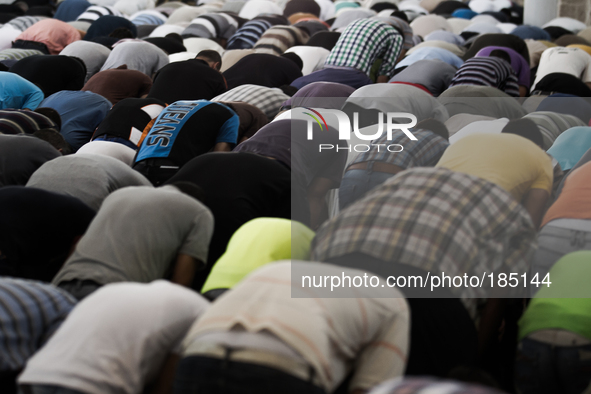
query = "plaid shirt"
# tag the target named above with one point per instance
(30, 312)
(425, 152)
(438, 221)
(268, 100)
(364, 41)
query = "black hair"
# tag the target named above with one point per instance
(189, 189)
(289, 90)
(377, 7)
(434, 126)
(211, 55)
(294, 58)
(52, 114)
(401, 15)
(55, 139)
(175, 37)
(525, 128)
(121, 33)
(501, 54)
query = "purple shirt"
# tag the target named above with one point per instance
(518, 62)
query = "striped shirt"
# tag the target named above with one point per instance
(18, 54)
(24, 22)
(268, 100)
(30, 312)
(425, 152)
(94, 12)
(148, 17)
(212, 25)
(364, 327)
(20, 121)
(247, 36)
(487, 71)
(364, 41)
(278, 39)
(436, 220)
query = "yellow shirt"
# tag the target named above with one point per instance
(507, 160)
(256, 243)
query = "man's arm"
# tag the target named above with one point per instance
(382, 79)
(535, 203)
(522, 91)
(184, 269)
(222, 147)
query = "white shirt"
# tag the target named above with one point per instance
(480, 127)
(312, 57)
(572, 61)
(116, 340)
(112, 149)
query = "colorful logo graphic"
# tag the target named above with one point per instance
(315, 118)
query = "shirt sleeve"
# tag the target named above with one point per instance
(33, 97)
(229, 131)
(196, 243)
(391, 55)
(385, 357)
(546, 174)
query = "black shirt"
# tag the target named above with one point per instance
(20, 156)
(286, 140)
(52, 73)
(189, 80)
(238, 187)
(187, 129)
(37, 229)
(168, 45)
(262, 69)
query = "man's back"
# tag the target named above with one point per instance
(510, 161)
(487, 71)
(39, 307)
(95, 353)
(187, 129)
(362, 42)
(572, 61)
(328, 332)
(90, 178)
(137, 234)
(189, 80)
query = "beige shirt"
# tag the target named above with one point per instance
(334, 332)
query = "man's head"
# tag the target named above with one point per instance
(211, 57)
(55, 139)
(501, 55)
(434, 126)
(525, 128)
(51, 114)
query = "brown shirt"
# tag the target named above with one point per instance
(119, 83)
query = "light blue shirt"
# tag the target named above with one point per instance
(431, 53)
(18, 93)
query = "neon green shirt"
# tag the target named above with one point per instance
(256, 243)
(566, 303)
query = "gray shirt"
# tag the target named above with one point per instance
(433, 74)
(137, 234)
(89, 178)
(138, 55)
